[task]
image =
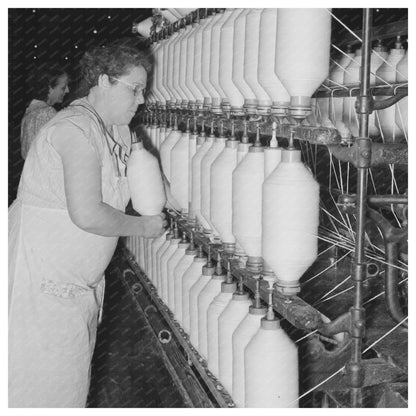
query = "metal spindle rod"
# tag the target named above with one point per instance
(354, 367)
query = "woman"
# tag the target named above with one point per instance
(63, 230)
(50, 84)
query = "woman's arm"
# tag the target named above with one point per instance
(82, 179)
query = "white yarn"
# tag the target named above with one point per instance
(208, 293)
(238, 56)
(157, 243)
(165, 150)
(336, 103)
(162, 137)
(218, 304)
(148, 254)
(179, 171)
(164, 258)
(147, 242)
(352, 77)
(206, 164)
(178, 274)
(159, 254)
(303, 47)
(251, 66)
(153, 135)
(145, 181)
(226, 61)
(272, 157)
(194, 292)
(242, 151)
(228, 322)
(248, 177)
(192, 274)
(267, 56)
(196, 179)
(170, 266)
(386, 120)
(290, 220)
(214, 69)
(241, 337)
(221, 201)
(141, 252)
(271, 370)
(191, 153)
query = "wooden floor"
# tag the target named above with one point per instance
(128, 370)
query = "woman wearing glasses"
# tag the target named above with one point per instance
(63, 230)
(49, 84)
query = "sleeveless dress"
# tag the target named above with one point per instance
(37, 114)
(56, 270)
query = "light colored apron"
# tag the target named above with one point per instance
(56, 287)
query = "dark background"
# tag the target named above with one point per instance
(62, 35)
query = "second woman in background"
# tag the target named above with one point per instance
(49, 83)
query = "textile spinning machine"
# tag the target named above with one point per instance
(282, 280)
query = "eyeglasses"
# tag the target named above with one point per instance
(137, 88)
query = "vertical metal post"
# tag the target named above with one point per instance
(354, 368)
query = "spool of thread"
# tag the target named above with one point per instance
(146, 243)
(336, 79)
(141, 253)
(207, 272)
(145, 181)
(157, 243)
(180, 170)
(231, 91)
(196, 178)
(215, 309)
(250, 100)
(164, 258)
(166, 148)
(191, 152)
(143, 27)
(228, 322)
(206, 164)
(248, 178)
(159, 254)
(271, 368)
(351, 78)
(251, 66)
(206, 296)
(290, 220)
(192, 274)
(302, 57)
(178, 273)
(221, 192)
(386, 118)
(240, 339)
(162, 136)
(171, 265)
(153, 135)
(267, 60)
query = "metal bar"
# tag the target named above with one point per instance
(295, 310)
(354, 367)
(215, 387)
(387, 199)
(353, 91)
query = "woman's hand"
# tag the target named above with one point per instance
(153, 225)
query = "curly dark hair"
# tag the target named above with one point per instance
(42, 77)
(114, 60)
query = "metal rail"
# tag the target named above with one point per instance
(221, 396)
